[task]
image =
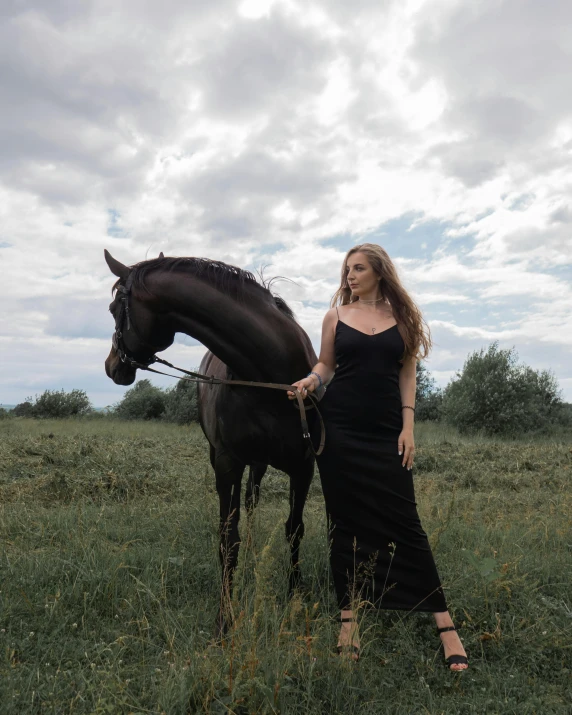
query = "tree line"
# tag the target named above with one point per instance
(493, 394)
(144, 401)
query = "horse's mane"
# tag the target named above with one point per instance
(225, 277)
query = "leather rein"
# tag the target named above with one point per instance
(123, 314)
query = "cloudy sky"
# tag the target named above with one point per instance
(279, 133)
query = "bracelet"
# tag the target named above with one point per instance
(411, 408)
(316, 374)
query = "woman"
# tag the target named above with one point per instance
(371, 339)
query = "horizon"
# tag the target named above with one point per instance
(195, 368)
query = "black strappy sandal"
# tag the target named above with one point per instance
(454, 659)
(343, 648)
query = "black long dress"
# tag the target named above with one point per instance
(378, 549)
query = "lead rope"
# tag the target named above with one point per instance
(198, 377)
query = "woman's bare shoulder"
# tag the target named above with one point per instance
(329, 322)
(329, 315)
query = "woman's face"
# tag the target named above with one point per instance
(360, 275)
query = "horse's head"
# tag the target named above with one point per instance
(140, 329)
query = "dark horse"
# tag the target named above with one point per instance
(250, 335)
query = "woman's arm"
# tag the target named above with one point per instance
(407, 388)
(326, 365)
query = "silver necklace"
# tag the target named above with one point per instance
(367, 302)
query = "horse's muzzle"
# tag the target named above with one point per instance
(122, 373)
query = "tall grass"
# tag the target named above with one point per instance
(110, 582)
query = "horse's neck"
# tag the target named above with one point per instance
(251, 336)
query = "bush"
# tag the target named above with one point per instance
(55, 404)
(181, 403)
(144, 401)
(494, 395)
(565, 414)
(428, 396)
(24, 409)
(4, 414)
(59, 404)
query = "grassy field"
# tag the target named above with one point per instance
(109, 582)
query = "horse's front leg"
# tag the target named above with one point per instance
(228, 474)
(300, 480)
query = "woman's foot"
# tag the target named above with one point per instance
(348, 642)
(452, 646)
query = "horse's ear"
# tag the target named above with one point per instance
(161, 255)
(117, 268)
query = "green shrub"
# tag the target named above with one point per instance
(55, 404)
(496, 396)
(428, 397)
(564, 414)
(24, 409)
(181, 403)
(59, 404)
(143, 401)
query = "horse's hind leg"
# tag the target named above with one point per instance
(228, 474)
(300, 480)
(255, 473)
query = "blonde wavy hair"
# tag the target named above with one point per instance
(410, 323)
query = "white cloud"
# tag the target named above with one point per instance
(281, 132)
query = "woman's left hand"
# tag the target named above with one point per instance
(406, 447)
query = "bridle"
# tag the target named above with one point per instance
(123, 315)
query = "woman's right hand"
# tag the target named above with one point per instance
(307, 384)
